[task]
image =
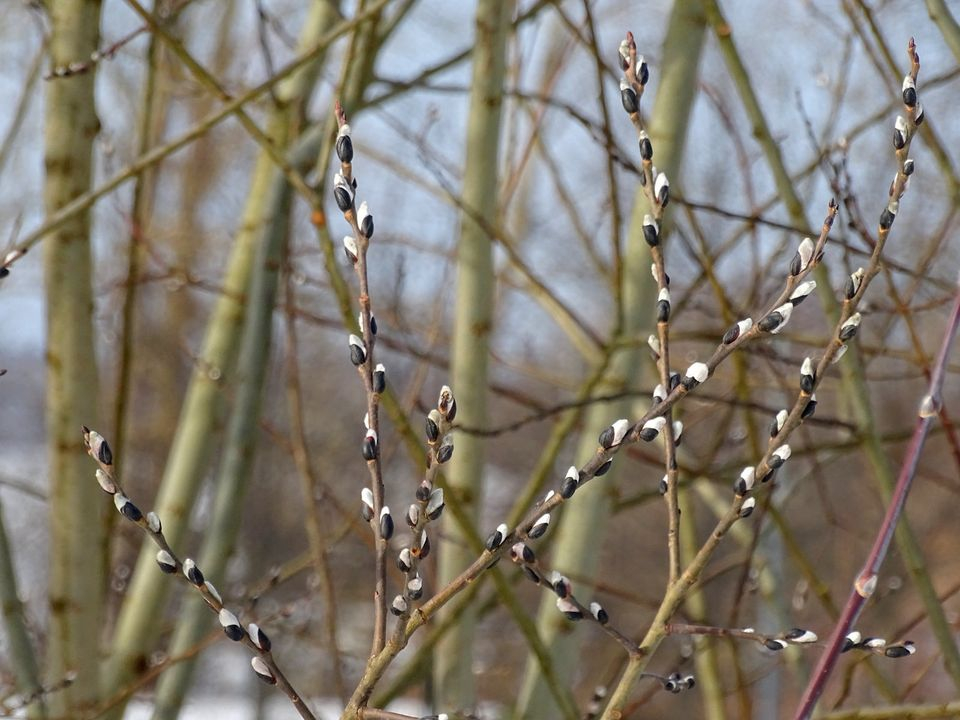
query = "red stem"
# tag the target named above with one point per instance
(866, 581)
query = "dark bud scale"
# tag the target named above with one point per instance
(651, 233)
(445, 452)
(886, 219)
(663, 311)
(345, 149)
(343, 198)
(386, 523)
(370, 447)
(496, 538)
(433, 432)
(379, 379)
(771, 321)
(192, 572)
(646, 148)
(259, 637)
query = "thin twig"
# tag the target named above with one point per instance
(866, 581)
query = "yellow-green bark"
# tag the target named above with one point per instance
(473, 323)
(76, 503)
(203, 405)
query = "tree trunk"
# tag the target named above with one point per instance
(473, 323)
(76, 503)
(202, 410)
